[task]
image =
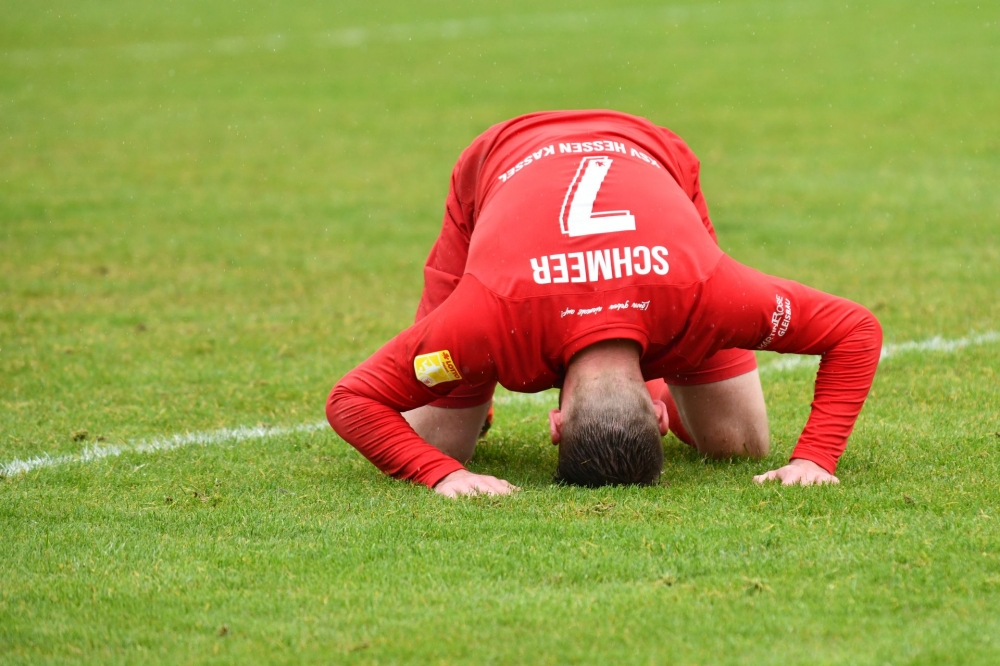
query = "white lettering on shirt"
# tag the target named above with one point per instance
(593, 147)
(526, 160)
(622, 261)
(598, 260)
(582, 312)
(660, 257)
(597, 265)
(577, 267)
(644, 157)
(559, 264)
(540, 270)
(643, 268)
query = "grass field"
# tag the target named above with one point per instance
(211, 211)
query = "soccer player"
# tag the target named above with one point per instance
(577, 252)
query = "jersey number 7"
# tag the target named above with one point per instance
(577, 217)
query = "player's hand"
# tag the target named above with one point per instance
(798, 471)
(464, 482)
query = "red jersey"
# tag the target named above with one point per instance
(563, 229)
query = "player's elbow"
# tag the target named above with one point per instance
(335, 406)
(876, 331)
(872, 329)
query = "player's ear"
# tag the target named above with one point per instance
(660, 409)
(555, 425)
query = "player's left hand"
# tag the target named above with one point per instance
(798, 472)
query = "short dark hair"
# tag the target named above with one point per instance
(610, 436)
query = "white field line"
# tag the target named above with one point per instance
(503, 397)
(92, 453)
(935, 344)
(409, 32)
(244, 434)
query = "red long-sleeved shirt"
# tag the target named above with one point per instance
(563, 229)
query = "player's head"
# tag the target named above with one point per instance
(608, 428)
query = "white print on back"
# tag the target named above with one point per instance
(593, 146)
(528, 159)
(577, 217)
(644, 305)
(595, 265)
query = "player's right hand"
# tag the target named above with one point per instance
(464, 482)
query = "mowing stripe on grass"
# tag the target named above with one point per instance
(421, 32)
(244, 434)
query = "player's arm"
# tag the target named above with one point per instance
(848, 339)
(445, 264)
(846, 336)
(366, 406)
(452, 430)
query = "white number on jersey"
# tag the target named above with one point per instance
(577, 217)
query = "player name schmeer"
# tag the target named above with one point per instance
(594, 265)
(597, 146)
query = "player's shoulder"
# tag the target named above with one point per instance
(470, 305)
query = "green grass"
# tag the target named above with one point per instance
(209, 212)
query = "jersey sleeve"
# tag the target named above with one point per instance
(446, 351)
(762, 312)
(445, 264)
(848, 338)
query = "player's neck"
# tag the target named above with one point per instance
(617, 358)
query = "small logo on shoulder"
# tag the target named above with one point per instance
(435, 368)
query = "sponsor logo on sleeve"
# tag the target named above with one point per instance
(435, 368)
(780, 320)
